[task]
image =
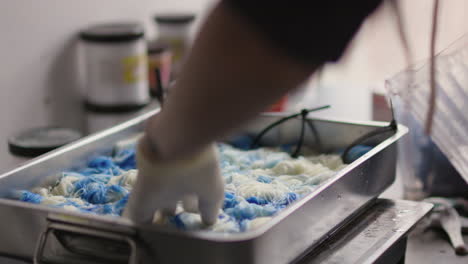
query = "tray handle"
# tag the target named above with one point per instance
(83, 232)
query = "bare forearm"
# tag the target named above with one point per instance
(231, 74)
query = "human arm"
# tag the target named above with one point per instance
(233, 72)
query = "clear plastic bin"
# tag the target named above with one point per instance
(435, 165)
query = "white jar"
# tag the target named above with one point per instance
(115, 66)
(173, 30)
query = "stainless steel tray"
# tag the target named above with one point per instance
(47, 234)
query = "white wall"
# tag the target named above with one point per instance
(376, 54)
(37, 55)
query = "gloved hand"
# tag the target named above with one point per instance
(160, 184)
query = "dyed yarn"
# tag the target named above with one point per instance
(259, 183)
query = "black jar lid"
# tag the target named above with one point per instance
(113, 32)
(174, 18)
(37, 141)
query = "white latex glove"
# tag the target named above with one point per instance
(195, 180)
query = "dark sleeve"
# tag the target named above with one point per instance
(312, 31)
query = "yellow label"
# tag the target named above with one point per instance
(132, 68)
(177, 46)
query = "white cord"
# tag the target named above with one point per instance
(401, 31)
(432, 64)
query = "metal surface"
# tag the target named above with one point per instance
(288, 235)
(373, 236)
(78, 242)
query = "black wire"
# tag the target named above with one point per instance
(316, 135)
(303, 113)
(301, 137)
(392, 127)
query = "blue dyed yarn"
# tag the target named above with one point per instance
(101, 209)
(101, 162)
(120, 205)
(94, 193)
(264, 179)
(257, 200)
(229, 200)
(244, 224)
(30, 197)
(89, 171)
(125, 159)
(287, 147)
(92, 187)
(291, 197)
(177, 221)
(104, 165)
(100, 198)
(248, 211)
(81, 186)
(242, 142)
(115, 193)
(288, 199)
(108, 209)
(357, 151)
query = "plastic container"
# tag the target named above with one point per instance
(115, 66)
(173, 31)
(435, 164)
(424, 169)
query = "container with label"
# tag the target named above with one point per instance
(173, 30)
(115, 66)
